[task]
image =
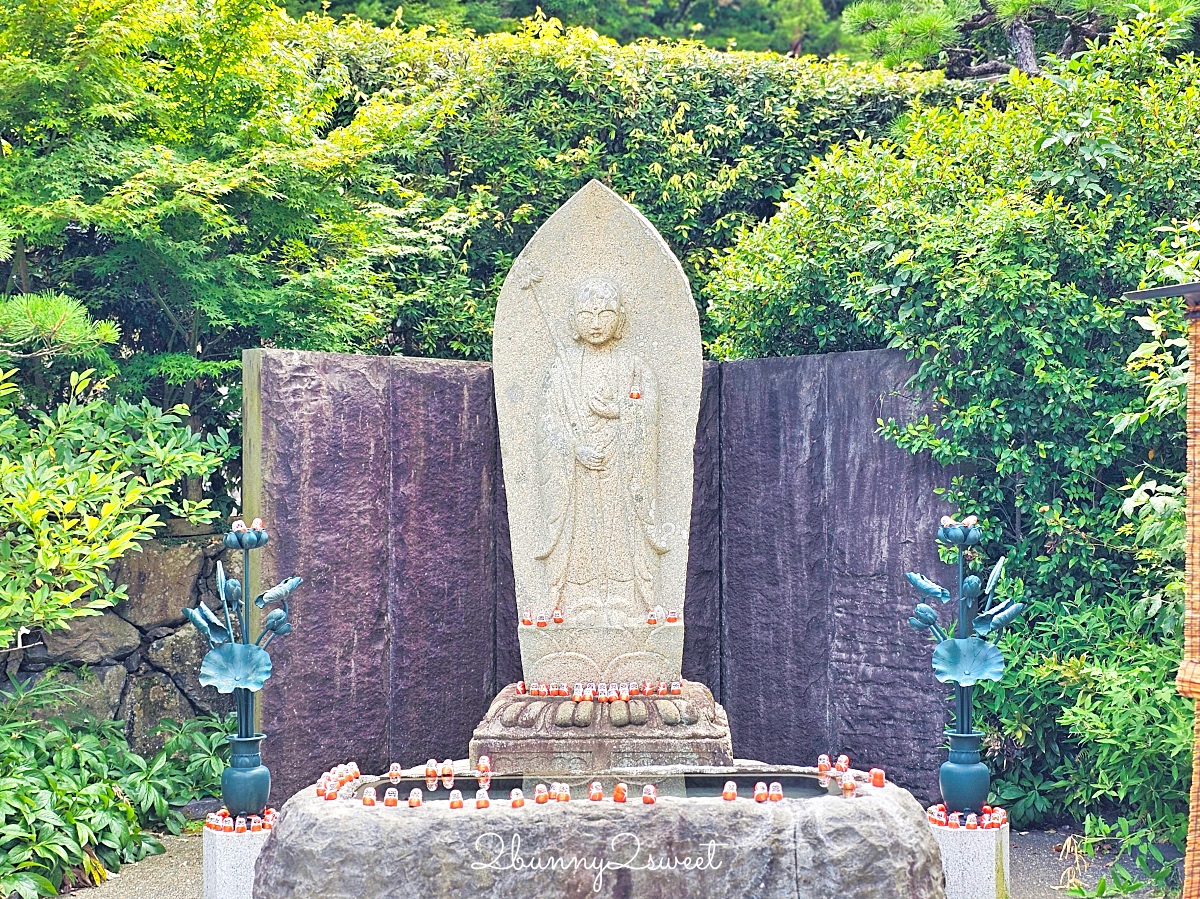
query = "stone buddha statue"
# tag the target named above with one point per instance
(598, 451)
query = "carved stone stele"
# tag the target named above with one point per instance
(597, 364)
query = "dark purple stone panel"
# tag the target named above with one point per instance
(776, 625)
(887, 708)
(702, 614)
(508, 650)
(316, 454)
(442, 563)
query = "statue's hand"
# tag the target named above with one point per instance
(604, 407)
(589, 457)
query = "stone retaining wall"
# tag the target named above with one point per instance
(381, 481)
(138, 662)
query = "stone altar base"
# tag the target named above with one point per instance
(876, 845)
(229, 863)
(556, 736)
(975, 862)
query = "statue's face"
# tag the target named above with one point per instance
(597, 320)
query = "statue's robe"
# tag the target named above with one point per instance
(600, 544)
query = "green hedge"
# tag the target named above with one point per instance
(488, 137)
(214, 176)
(993, 243)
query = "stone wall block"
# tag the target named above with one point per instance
(316, 463)
(160, 579)
(702, 612)
(96, 638)
(180, 655)
(775, 555)
(100, 691)
(151, 696)
(441, 592)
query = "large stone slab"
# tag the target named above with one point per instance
(376, 477)
(884, 514)
(702, 636)
(876, 846)
(775, 535)
(821, 518)
(441, 588)
(316, 460)
(597, 361)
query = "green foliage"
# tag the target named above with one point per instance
(780, 25)
(993, 243)
(489, 136)
(211, 175)
(79, 488)
(46, 324)
(74, 799)
(978, 38)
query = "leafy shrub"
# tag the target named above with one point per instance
(994, 243)
(215, 176)
(78, 489)
(74, 798)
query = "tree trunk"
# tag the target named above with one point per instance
(1020, 40)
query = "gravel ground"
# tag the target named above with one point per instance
(176, 874)
(1038, 870)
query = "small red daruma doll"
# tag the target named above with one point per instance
(541, 621)
(431, 774)
(369, 796)
(652, 618)
(391, 798)
(760, 791)
(456, 799)
(972, 821)
(775, 793)
(395, 772)
(595, 791)
(239, 826)
(843, 763)
(557, 616)
(730, 792)
(256, 824)
(635, 689)
(564, 793)
(541, 795)
(517, 798)
(484, 765)
(620, 792)
(521, 688)
(527, 618)
(414, 798)
(848, 785)
(481, 799)
(823, 764)
(647, 688)
(676, 689)
(878, 777)
(649, 794)
(448, 774)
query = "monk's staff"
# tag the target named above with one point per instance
(530, 282)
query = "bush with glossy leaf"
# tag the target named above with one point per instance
(993, 243)
(81, 486)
